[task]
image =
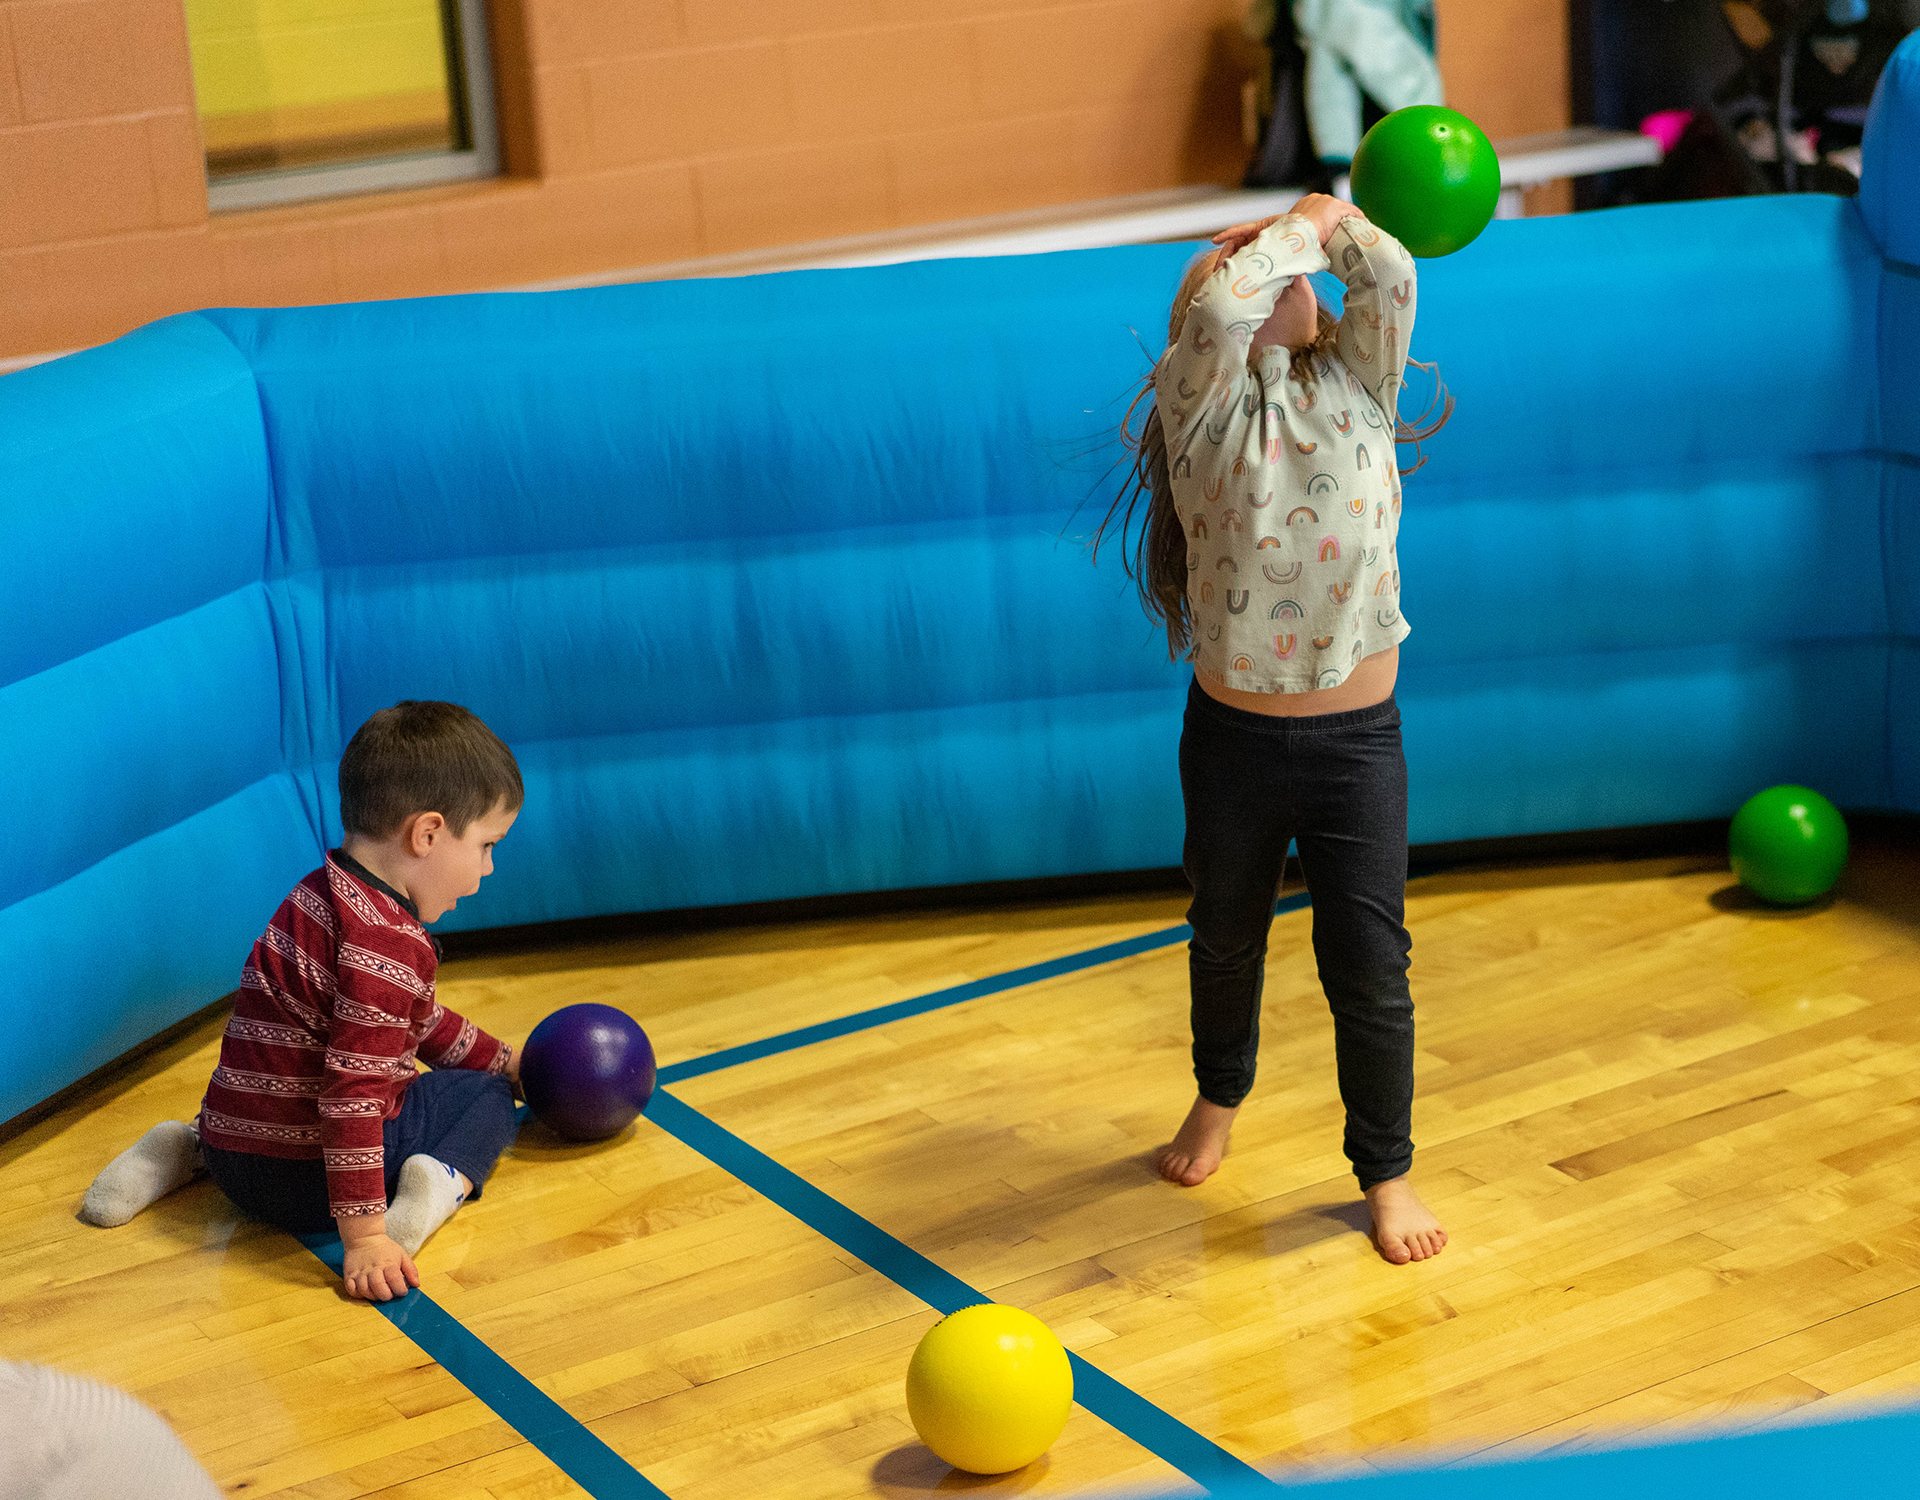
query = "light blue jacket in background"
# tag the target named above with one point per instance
(1381, 47)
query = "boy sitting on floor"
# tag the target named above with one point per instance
(316, 1114)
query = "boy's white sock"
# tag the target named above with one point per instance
(428, 1193)
(166, 1157)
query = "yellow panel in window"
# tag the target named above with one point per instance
(299, 82)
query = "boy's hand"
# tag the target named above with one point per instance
(376, 1268)
(1323, 212)
(511, 1072)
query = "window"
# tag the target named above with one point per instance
(317, 98)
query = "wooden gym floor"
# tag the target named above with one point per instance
(1675, 1138)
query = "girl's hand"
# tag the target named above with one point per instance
(1242, 235)
(511, 1072)
(1323, 212)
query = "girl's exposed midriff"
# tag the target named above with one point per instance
(1367, 684)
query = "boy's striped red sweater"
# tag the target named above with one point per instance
(335, 1003)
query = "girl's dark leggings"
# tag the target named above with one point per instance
(1337, 785)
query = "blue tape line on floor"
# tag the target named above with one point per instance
(1198, 1457)
(512, 1397)
(880, 1015)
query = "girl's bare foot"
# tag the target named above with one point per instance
(1195, 1153)
(1404, 1228)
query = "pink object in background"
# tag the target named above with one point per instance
(1666, 126)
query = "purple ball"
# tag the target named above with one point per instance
(587, 1070)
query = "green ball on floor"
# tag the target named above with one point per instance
(1788, 845)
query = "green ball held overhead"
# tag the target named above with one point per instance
(1428, 176)
(1788, 845)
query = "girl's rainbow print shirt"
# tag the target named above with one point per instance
(1287, 489)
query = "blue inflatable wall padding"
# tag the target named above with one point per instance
(1682, 726)
(677, 412)
(1890, 207)
(153, 932)
(823, 805)
(118, 511)
(1587, 344)
(731, 639)
(211, 730)
(775, 584)
(1903, 732)
(1828, 1460)
(1641, 558)
(1889, 199)
(1901, 509)
(1900, 360)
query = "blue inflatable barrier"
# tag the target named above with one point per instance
(1890, 206)
(773, 584)
(1840, 1458)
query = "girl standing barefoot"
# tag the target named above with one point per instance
(1269, 553)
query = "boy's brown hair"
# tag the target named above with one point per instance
(421, 756)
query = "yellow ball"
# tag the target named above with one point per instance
(989, 1388)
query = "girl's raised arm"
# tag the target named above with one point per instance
(1204, 370)
(1378, 317)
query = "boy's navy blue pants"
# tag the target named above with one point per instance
(454, 1115)
(1335, 784)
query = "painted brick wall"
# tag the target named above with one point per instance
(634, 131)
(100, 168)
(1506, 63)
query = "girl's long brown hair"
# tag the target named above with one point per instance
(1155, 553)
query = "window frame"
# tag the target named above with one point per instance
(470, 92)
